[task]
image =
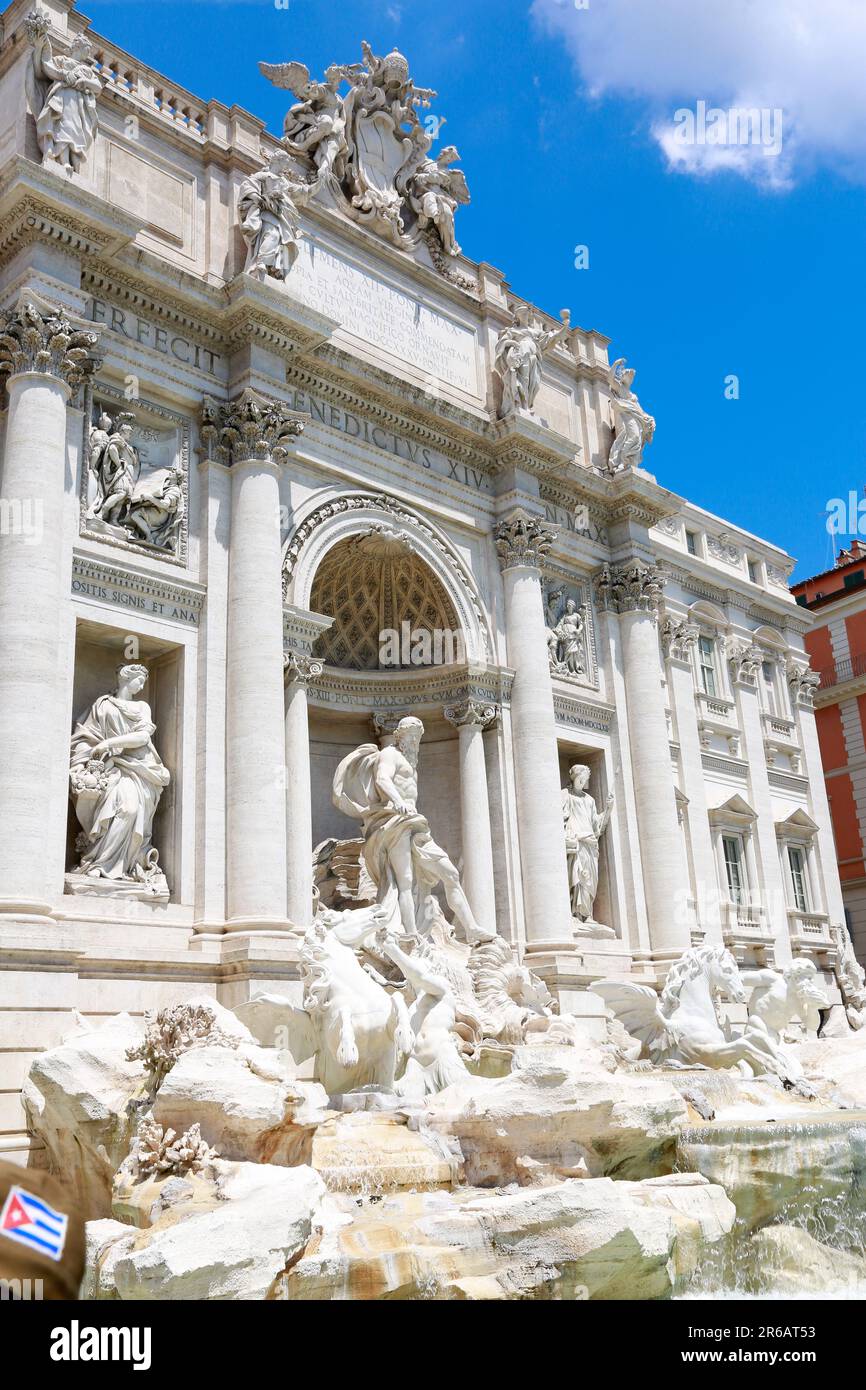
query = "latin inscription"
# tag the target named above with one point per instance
(151, 335)
(386, 317)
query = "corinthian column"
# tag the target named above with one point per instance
(631, 593)
(522, 541)
(471, 719)
(43, 358)
(253, 434)
(300, 670)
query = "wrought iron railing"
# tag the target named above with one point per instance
(846, 669)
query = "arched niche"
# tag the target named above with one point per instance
(381, 536)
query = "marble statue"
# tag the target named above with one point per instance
(780, 998)
(584, 827)
(268, 205)
(633, 427)
(358, 1033)
(851, 979)
(369, 148)
(435, 191)
(681, 1029)
(315, 128)
(122, 503)
(434, 1061)
(380, 788)
(520, 349)
(157, 508)
(515, 1004)
(117, 778)
(566, 635)
(62, 92)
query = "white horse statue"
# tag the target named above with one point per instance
(358, 1033)
(682, 1028)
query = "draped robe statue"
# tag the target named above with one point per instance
(116, 779)
(584, 827)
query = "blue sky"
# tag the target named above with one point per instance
(726, 263)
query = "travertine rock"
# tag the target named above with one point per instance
(77, 1099)
(559, 1110)
(245, 1103)
(261, 1220)
(105, 1242)
(579, 1239)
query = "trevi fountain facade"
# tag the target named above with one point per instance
(417, 878)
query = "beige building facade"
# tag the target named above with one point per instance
(309, 504)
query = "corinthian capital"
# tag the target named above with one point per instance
(523, 539)
(472, 713)
(744, 660)
(46, 342)
(299, 669)
(630, 587)
(678, 638)
(249, 427)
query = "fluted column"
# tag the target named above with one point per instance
(470, 719)
(522, 541)
(300, 670)
(631, 593)
(253, 433)
(44, 357)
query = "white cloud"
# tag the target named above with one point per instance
(806, 58)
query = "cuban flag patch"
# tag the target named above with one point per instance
(29, 1221)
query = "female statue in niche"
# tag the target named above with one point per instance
(584, 827)
(117, 778)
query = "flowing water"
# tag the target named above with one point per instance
(799, 1186)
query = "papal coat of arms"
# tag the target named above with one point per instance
(369, 147)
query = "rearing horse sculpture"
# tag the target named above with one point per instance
(681, 1028)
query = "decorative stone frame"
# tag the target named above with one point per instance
(325, 522)
(747, 927)
(111, 395)
(809, 928)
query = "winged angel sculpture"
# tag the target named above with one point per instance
(682, 1028)
(369, 147)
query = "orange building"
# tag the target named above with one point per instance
(837, 647)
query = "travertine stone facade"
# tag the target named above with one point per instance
(340, 435)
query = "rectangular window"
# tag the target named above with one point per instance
(768, 674)
(733, 848)
(706, 660)
(691, 543)
(797, 861)
(753, 571)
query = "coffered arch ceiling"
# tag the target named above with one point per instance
(371, 585)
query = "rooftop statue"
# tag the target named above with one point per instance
(368, 146)
(268, 205)
(634, 428)
(520, 350)
(62, 90)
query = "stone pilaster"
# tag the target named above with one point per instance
(44, 357)
(744, 663)
(300, 670)
(522, 541)
(253, 434)
(679, 638)
(631, 592)
(470, 719)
